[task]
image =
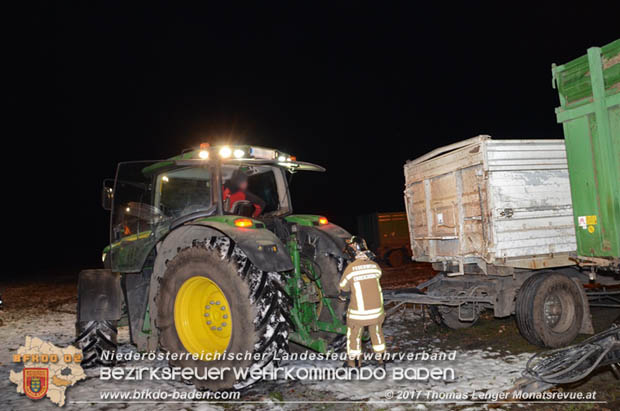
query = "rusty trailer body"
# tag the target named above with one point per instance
(491, 206)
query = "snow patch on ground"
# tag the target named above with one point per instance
(481, 370)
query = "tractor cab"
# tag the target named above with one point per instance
(150, 198)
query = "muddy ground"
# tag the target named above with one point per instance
(491, 356)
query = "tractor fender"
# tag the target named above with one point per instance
(327, 239)
(262, 247)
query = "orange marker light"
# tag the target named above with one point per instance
(322, 221)
(243, 222)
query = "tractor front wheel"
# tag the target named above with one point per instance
(94, 338)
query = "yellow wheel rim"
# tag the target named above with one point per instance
(202, 316)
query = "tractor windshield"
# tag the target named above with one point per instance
(148, 196)
(183, 191)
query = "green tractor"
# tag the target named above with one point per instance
(198, 277)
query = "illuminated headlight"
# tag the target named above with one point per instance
(225, 152)
(281, 159)
(103, 257)
(203, 154)
(238, 153)
(165, 179)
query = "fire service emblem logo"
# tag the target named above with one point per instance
(35, 382)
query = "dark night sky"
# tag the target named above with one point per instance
(358, 88)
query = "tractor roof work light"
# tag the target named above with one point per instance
(225, 152)
(238, 153)
(263, 153)
(204, 151)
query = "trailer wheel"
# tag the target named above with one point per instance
(212, 299)
(449, 316)
(93, 338)
(396, 257)
(548, 309)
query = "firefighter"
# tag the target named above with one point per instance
(361, 279)
(236, 189)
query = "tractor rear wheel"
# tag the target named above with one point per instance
(213, 299)
(330, 277)
(548, 309)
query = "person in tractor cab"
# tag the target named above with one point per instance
(236, 189)
(361, 278)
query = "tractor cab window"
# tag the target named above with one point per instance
(133, 212)
(147, 197)
(260, 187)
(264, 186)
(183, 191)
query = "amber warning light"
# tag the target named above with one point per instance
(322, 221)
(204, 153)
(243, 222)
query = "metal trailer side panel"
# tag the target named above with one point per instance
(483, 201)
(530, 201)
(589, 91)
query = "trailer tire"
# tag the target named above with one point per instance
(93, 338)
(396, 257)
(548, 310)
(449, 317)
(219, 275)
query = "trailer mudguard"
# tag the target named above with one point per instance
(99, 295)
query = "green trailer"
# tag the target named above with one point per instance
(589, 90)
(387, 235)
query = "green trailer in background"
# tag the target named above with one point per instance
(387, 235)
(589, 90)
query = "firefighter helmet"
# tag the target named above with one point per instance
(356, 245)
